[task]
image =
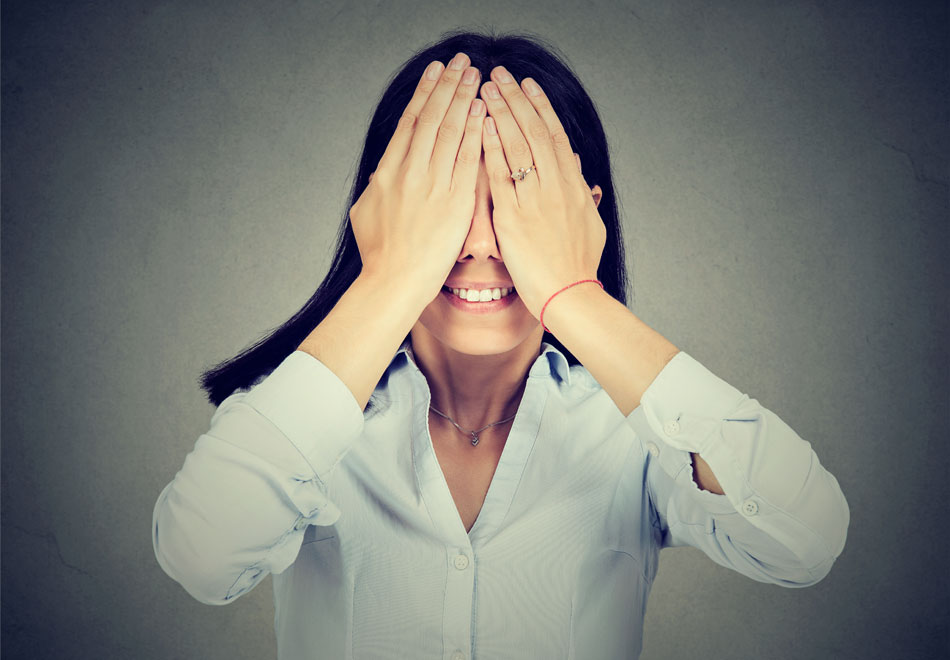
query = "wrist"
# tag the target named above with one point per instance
(563, 291)
(395, 291)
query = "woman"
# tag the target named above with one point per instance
(465, 445)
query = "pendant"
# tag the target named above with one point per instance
(474, 438)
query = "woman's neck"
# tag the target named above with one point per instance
(474, 390)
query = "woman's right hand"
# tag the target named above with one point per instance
(412, 219)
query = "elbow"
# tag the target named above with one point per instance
(804, 576)
(202, 574)
(787, 572)
(824, 517)
(797, 557)
(194, 573)
(824, 552)
(818, 562)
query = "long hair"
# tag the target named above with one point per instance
(524, 56)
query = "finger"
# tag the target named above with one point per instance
(559, 140)
(399, 143)
(451, 131)
(465, 172)
(516, 150)
(432, 115)
(521, 122)
(502, 188)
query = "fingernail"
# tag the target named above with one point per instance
(469, 76)
(457, 62)
(490, 124)
(502, 75)
(433, 71)
(492, 90)
(477, 105)
(531, 87)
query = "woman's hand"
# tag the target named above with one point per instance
(548, 229)
(413, 217)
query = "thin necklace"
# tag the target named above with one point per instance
(474, 434)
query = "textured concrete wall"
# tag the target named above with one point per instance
(173, 174)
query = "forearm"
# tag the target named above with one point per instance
(359, 337)
(619, 350)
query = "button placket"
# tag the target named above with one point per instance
(459, 598)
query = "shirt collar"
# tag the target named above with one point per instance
(551, 362)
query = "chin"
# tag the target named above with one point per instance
(479, 336)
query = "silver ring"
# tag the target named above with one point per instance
(521, 173)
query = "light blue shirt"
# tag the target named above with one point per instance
(351, 514)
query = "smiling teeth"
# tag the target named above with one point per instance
(471, 295)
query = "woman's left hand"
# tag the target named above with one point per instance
(548, 229)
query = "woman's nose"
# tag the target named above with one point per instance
(480, 244)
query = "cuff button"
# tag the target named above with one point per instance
(671, 428)
(750, 507)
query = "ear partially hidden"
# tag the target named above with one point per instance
(596, 193)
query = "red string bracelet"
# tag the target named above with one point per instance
(564, 289)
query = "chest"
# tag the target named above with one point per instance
(468, 470)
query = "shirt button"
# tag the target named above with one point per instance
(653, 449)
(458, 655)
(750, 507)
(461, 563)
(671, 428)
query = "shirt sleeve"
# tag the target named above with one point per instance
(783, 518)
(238, 508)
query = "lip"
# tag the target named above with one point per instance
(478, 286)
(487, 307)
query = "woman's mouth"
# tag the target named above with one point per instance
(480, 302)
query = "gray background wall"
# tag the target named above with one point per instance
(173, 175)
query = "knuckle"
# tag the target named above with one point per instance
(501, 110)
(561, 140)
(541, 104)
(467, 157)
(429, 116)
(520, 148)
(448, 133)
(426, 86)
(407, 122)
(494, 149)
(462, 94)
(450, 77)
(538, 129)
(500, 175)
(518, 96)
